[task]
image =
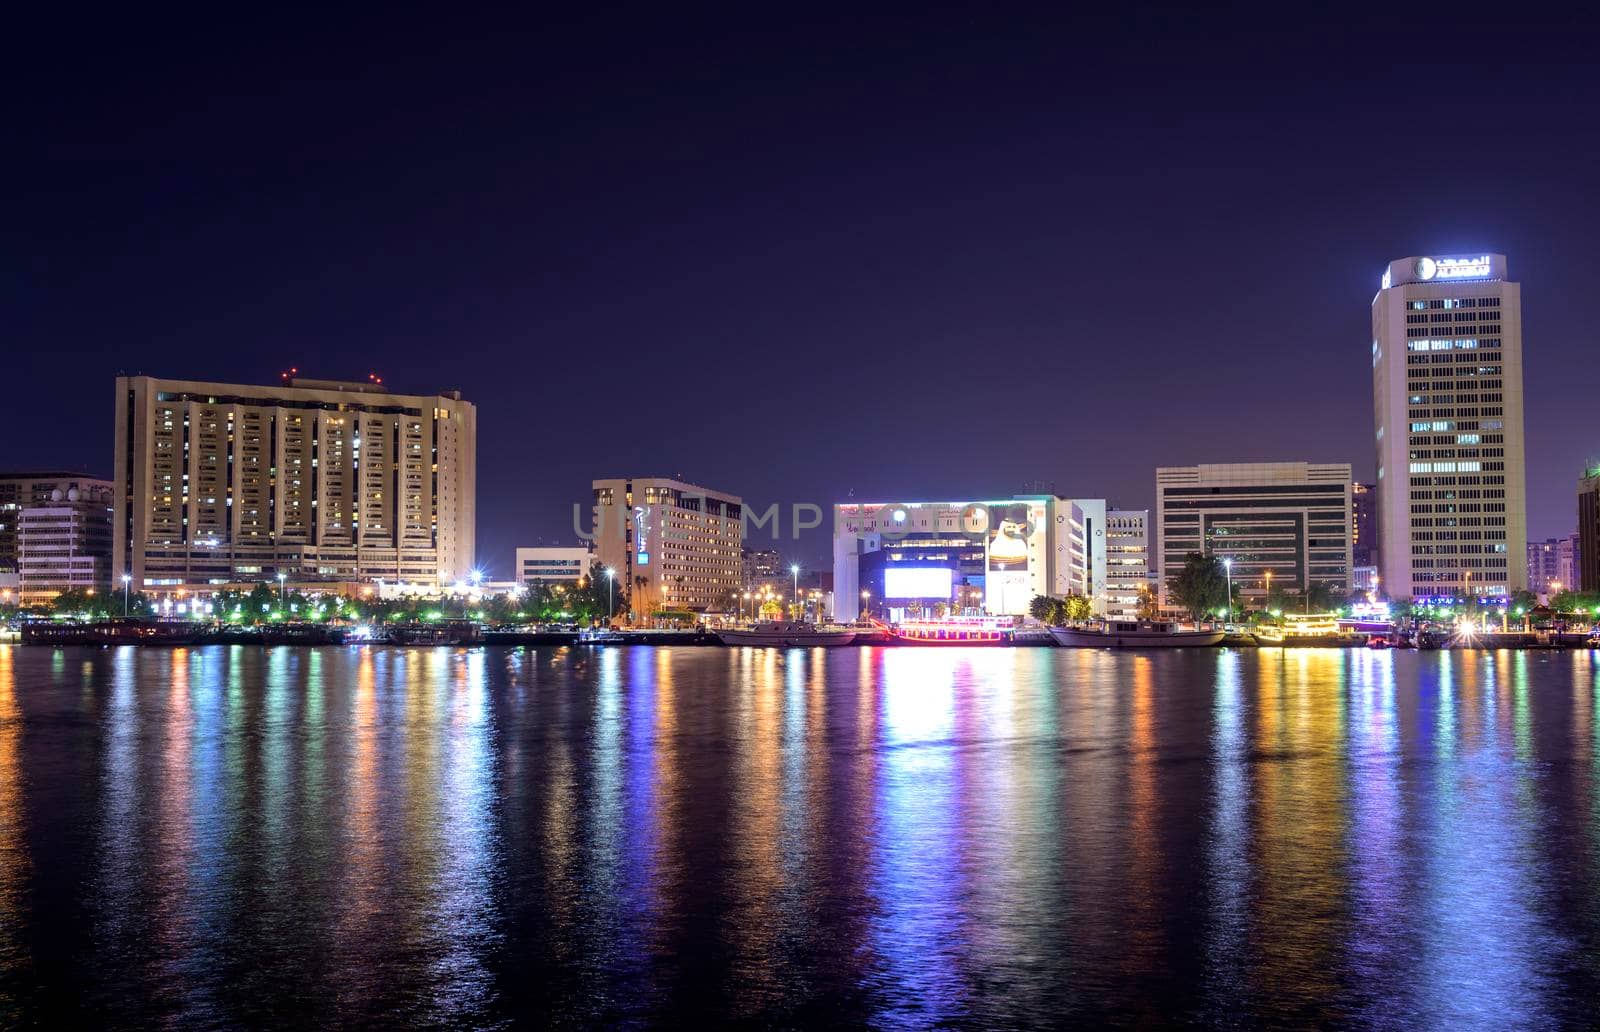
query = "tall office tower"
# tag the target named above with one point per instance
(1447, 409)
(1287, 519)
(319, 480)
(1128, 570)
(670, 545)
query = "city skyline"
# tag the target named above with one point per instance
(876, 281)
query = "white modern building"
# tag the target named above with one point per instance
(1553, 564)
(1128, 570)
(988, 555)
(1447, 408)
(1282, 524)
(65, 544)
(551, 565)
(21, 490)
(669, 544)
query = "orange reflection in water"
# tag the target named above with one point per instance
(1146, 933)
(1301, 824)
(363, 848)
(174, 846)
(753, 921)
(15, 865)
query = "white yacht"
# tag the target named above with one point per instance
(787, 635)
(1133, 634)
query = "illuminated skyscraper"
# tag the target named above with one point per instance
(1447, 408)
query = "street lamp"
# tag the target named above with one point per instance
(283, 590)
(126, 578)
(866, 602)
(794, 568)
(1227, 569)
(611, 582)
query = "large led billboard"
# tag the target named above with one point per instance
(917, 582)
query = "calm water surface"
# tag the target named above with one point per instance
(900, 837)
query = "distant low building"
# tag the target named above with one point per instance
(1364, 524)
(1553, 564)
(65, 544)
(18, 491)
(551, 565)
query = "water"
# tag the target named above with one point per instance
(900, 837)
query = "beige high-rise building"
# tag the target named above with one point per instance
(671, 545)
(321, 480)
(1447, 410)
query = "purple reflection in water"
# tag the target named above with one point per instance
(892, 837)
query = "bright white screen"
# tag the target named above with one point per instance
(916, 583)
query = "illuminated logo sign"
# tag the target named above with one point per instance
(641, 534)
(1453, 268)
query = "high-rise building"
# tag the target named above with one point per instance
(64, 544)
(1447, 407)
(319, 480)
(1287, 519)
(670, 545)
(1364, 524)
(552, 564)
(1589, 531)
(1553, 564)
(18, 491)
(1127, 561)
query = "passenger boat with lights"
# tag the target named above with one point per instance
(955, 630)
(778, 634)
(1133, 634)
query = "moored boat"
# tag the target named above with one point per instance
(441, 632)
(775, 634)
(1133, 634)
(116, 631)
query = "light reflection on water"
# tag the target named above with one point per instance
(902, 837)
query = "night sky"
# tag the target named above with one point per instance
(950, 255)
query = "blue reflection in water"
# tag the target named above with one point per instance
(462, 889)
(1476, 914)
(1227, 848)
(1379, 939)
(916, 937)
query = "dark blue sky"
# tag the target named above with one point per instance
(939, 255)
